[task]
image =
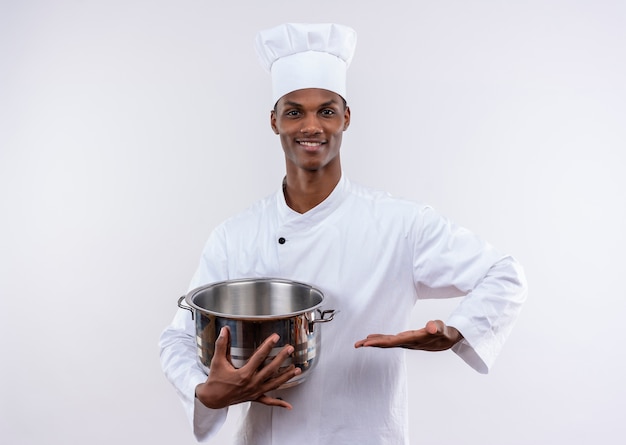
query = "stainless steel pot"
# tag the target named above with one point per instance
(254, 309)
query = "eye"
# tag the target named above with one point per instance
(328, 112)
(292, 113)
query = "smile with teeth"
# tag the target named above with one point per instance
(310, 143)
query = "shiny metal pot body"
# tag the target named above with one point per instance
(254, 309)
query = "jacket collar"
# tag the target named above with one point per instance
(317, 213)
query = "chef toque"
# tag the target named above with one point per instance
(299, 55)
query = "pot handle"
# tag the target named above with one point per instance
(180, 305)
(331, 314)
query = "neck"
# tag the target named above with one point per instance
(304, 190)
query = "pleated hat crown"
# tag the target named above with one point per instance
(299, 55)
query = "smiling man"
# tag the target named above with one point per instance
(310, 123)
(371, 255)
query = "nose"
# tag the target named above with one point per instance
(311, 125)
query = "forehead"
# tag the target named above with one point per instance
(310, 97)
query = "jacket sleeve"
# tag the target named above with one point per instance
(450, 261)
(178, 350)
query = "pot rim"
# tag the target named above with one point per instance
(192, 293)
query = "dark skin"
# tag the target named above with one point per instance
(310, 124)
(227, 385)
(435, 336)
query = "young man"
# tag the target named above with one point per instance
(371, 255)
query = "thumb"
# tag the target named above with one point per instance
(435, 327)
(222, 345)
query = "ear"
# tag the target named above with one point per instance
(346, 118)
(273, 121)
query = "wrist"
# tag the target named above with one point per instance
(208, 400)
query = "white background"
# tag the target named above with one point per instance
(129, 129)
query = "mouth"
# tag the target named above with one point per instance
(311, 145)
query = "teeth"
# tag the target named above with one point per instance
(310, 144)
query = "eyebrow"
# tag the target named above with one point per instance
(298, 105)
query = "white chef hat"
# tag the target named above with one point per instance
(299, 55)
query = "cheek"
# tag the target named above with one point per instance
(339, 138)
(283, 127)
(338, 134)
(284, 141)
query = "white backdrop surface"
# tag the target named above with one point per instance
(129, 129)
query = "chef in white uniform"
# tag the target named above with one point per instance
(372, 256)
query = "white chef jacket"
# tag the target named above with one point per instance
(372, 256)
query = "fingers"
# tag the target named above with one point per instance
(227, 385)
(276, 372)
(226, 330)
(262, 352)
(370, 340)
(414, 339)
(435, 327)
(280, 378)
(382, 340)
(271, 401)
(276, 382)
(222, 346)
(273, 374)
